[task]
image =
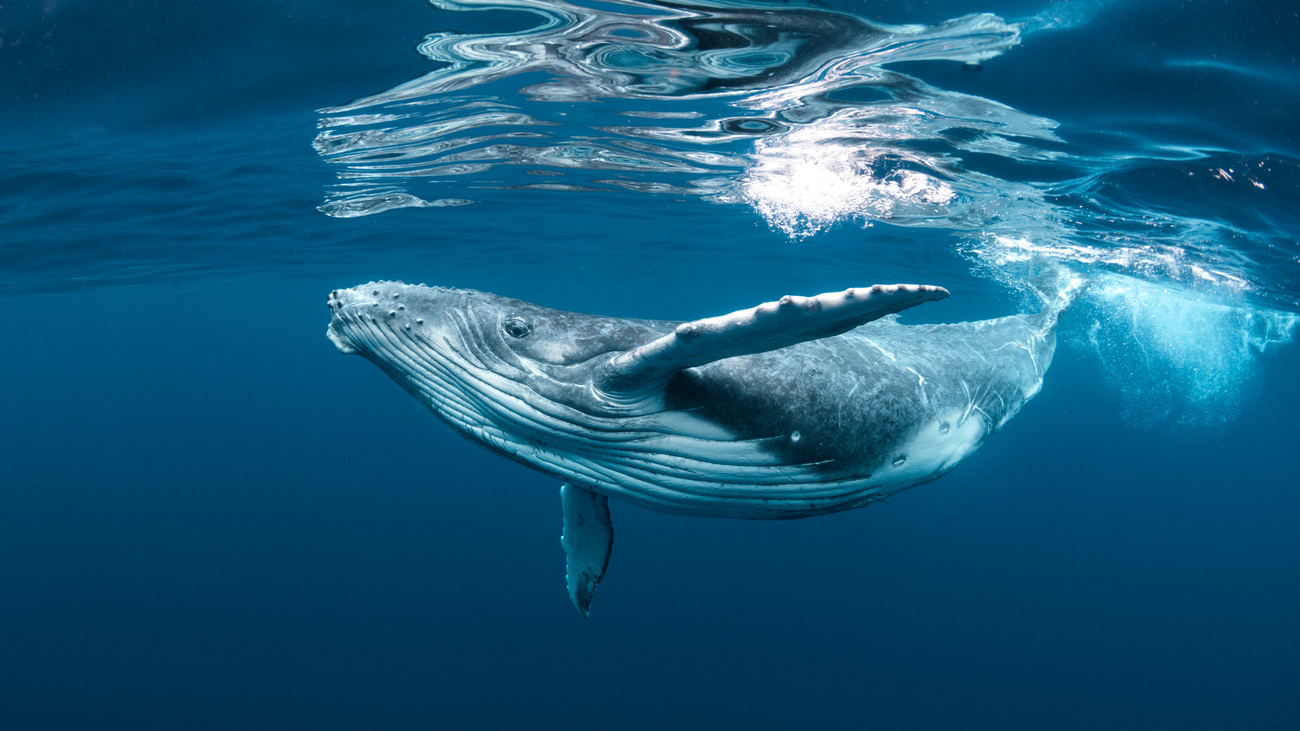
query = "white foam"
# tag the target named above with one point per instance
(1175, 356)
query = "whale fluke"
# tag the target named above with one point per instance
(769, 326)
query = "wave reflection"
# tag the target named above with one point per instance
(716, 99)
(795, 111)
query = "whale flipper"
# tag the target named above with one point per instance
(588, 537)
(769, 326)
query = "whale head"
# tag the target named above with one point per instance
(492, 367)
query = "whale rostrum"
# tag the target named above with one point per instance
(794, 408)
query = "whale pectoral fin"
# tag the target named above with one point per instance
(769, 326)
(588, 538)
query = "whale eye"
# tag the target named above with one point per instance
(515, 327)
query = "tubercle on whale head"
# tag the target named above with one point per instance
(363, 313)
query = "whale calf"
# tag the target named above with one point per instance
(794, 408)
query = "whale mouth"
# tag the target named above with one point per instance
(334, 332)
(340, 341)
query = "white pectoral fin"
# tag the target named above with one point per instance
(769, 326)
(588, 538)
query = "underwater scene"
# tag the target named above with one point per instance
(705, 289)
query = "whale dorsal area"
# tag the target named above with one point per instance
(768, 326)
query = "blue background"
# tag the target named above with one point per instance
(211, 519)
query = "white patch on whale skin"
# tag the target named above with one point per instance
(936, 449)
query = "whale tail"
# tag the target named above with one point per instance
(1058, 288)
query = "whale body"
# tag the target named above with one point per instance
(794, 408)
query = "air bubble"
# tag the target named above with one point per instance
(898, 461)
(943, 428)
(751, 126)
(795, 436)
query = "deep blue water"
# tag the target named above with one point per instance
(212, 519)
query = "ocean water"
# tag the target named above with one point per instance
(210, 518)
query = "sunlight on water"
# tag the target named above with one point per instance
(801, 187)
(1175, 357)
(870, 161)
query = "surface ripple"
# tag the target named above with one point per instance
(811, 117)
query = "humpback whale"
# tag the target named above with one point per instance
(793, 408)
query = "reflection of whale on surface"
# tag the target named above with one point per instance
(794, 408)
